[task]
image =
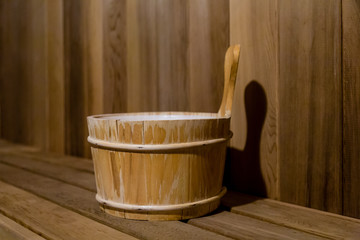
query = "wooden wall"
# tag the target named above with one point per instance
(68, 59)
(296, 113)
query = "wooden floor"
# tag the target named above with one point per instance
(50, 196)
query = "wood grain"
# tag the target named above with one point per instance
(82, 201)
(34, 42)
(251, 217)
(142, 59)
(77, 163)
(51, 220)
(243, 227)
(74, 78)
(55, 91)
(310, 133)
(83, 70)
(115, 82)
(94, 56)
(351, 107)
(253, 165)
(66, 59)
(36, 75)
(15, 101)
(208, 28)
(83, 179)
(172, 45)
(11, 230)
(296, 217)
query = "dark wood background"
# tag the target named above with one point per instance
(296, 113)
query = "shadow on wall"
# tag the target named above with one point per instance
(242, 169)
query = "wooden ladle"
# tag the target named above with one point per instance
(230, 71)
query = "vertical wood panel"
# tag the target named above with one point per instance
(142, 59)
(93, 50)
(24, 74)
(36, 77)
(208, 40)
(55, 109)
(83, 71)
(75, 106)
(310, 134)
(254, 166)
(114, 44)
(351, 107)
(14, 99)
(157, 55)
(175, 52)
(172, 38)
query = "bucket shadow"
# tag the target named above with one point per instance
(242, 168)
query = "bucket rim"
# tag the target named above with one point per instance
(162, 116)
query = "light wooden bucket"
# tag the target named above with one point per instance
(163, 165)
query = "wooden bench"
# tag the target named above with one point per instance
(52, 196)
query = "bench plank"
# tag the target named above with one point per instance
(83, 201)
(11, 230)
(78, 163)
(51, 220)
(242, 227)
(289, 215)
(73, 176)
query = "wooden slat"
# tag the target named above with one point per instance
(208, 27)
(292, 216)
(172, 55)
(51, 220)
(351, 107)
(2, 19)
(36, 78)
(93, 58)
(81, 164)
(310, 116)
(182, 60)
(253, 166)
(69, 175)
(31, 80)
(6, 146)
(141, 58)
(115, 56)
(74, 90)
(13, 85)
(55, 75)
(11, 230)
(83, 71)
(83, 202)
(243, 227)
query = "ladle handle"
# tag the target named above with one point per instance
(230, 71)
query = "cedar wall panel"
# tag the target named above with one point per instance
(83, 70)
(31, 73)
(175, 66)
(55, 76)
(141, 55)
(351, 107)
(114, 56)
(310, 100)
(208, 40)
(254, 164)
(16, 114)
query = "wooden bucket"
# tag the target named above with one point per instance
(163, 165)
